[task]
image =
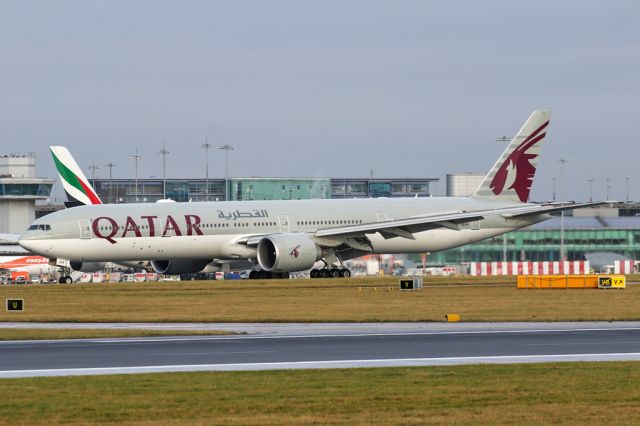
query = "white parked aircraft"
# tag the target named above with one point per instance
(292, 235)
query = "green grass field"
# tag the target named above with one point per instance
(367, 299)
(42, 334)
(571, 393)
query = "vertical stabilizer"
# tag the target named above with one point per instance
(79, 190)
(511, 177)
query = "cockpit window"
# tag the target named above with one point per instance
(40, 228)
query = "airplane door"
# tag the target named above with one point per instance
(85, 228)
(161, 222)
(381, 216)
(283, 220)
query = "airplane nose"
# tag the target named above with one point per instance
(26, 243)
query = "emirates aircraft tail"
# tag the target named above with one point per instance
(76, 185)
(511, 177)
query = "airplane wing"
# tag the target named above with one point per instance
(405, 228)
(452, 220)
(551, 208)
(9, 238)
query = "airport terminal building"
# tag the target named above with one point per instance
(259, 188)
(19, 191)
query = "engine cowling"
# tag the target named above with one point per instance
(179, 266)
(87, 266)
(288, 252)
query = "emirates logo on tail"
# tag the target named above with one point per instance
(517, 171)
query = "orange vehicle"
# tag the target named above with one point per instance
(20, 277)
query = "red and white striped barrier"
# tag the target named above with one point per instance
(623, 267)
(577, 267)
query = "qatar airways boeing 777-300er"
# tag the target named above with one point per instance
(295, 235)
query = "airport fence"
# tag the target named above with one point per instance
(578, 267)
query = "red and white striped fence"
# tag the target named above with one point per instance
(623, 267)
(577, 267)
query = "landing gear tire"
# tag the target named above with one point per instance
(67, 280)
(330, 273)
(253, 275)
(61, 280)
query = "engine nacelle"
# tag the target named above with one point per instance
(287, 252)
(87, 266)
(179, 266)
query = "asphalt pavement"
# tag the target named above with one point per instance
(326, 346)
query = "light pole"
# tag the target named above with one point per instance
(553, 185)
(590, 189)
(504, 139)
(110, 166)
(226, 147)
(164, 151)
(627, 182)
(93, 169)
(608, 189)
(562, 162)
(136, 158)
(206, 146)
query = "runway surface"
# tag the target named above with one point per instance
(326, 346)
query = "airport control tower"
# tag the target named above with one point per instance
(19, 191)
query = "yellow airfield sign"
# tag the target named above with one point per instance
(612, 281)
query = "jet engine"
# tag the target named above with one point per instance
(179, 266)
(87, 266)
(287, 252)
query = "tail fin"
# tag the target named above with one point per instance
(75, 184)
(511, 177)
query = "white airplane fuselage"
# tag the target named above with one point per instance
(208, 230)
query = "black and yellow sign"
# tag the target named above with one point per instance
(612, 281)
(406, 285)
(15, 304)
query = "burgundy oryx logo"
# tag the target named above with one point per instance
(295, 252)
(517, 171)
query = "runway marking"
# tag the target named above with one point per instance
(410, 362)
(126, 340)
(214, 353)
(628, 342)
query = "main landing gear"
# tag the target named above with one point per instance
(330, 273)
(267, 275)
(65, 279)
(65, 276)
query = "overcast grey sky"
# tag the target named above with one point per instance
(324, 88)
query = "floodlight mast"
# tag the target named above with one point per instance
(226, 148)
(164, 152)
(206, 146)
(136, 157)
(110, 166)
